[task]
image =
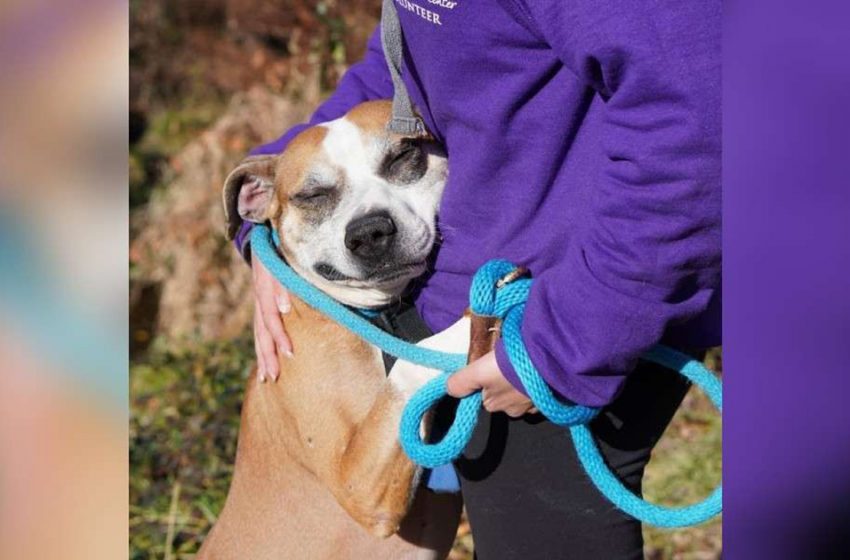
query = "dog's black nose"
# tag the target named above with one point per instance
(371, 236)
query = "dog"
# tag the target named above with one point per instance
(319, 471)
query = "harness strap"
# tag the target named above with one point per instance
(405, 120)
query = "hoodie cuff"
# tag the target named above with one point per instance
(242, 241)
(507, 368)
(508, 371)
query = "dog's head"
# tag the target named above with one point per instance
(354, 204)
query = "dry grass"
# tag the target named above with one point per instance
(685, 468)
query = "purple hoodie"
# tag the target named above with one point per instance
(583, 139)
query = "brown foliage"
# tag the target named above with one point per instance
(180, 244)
(202, 48)
(190, 53)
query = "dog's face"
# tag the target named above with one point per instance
(354, 204)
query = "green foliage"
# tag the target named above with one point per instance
(184, 421)
(173, 128)
(168, 131)
(685, 468)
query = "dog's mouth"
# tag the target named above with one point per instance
(383, 274)
(393, 272)
(331, 273)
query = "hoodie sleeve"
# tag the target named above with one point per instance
(367, 80)
(649, 256)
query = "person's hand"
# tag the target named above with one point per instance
(271, 301)
(498, 393)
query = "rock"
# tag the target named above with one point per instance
(179, 240)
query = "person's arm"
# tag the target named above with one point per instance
(649, 256)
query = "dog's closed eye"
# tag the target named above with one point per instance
(313, 195)
(405, 164)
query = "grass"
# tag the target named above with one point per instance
(184, 421)
(185, 406)
(685, 468)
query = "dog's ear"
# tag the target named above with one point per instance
(249, 192)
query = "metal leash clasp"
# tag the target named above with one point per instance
(512, 276)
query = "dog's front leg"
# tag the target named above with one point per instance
(377, 480)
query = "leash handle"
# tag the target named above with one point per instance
(492, 296)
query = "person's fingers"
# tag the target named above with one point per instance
(261, 365)
(267, 350)
(284, 305)
(517, 410)
(503, 398)
(270, 313)
(463, 382)
(512, 409)
(274, 327)
(494, 402)
(273, 300)
(270, 362)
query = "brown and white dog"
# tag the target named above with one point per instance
(319, 471)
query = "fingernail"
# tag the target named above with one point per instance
(283, 304)
(262, 379)
(288, 353)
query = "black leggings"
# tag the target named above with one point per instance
(525, 492)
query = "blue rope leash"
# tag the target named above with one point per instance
(508, 304)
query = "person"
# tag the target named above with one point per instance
(583, 140)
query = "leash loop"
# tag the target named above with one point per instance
(499, 290)
(449, 448)
(507, 302)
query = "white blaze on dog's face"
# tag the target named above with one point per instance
(354, 204)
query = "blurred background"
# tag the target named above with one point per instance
(211, 79)
(63, 229)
